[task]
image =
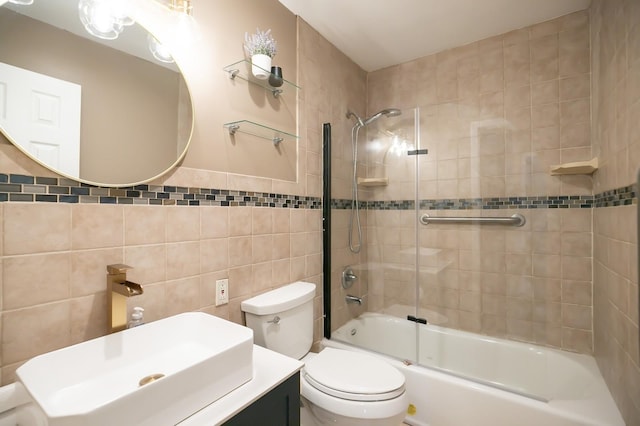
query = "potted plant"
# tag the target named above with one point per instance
(261, 47)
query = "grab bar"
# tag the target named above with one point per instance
(514, 220)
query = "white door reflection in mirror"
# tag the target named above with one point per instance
(42, 114)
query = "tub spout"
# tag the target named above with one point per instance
(353, 299)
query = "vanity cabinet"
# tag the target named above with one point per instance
(279, 407)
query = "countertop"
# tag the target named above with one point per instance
(269, 370)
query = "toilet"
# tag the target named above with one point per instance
(337, 387)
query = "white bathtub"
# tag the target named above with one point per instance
(479, 380)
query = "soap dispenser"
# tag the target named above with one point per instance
(136, 317)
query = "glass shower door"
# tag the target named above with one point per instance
(386, 264)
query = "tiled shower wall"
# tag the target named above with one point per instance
(333, 84)
(495, 115)
(615, 37)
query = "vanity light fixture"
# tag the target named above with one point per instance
(104, 19)
(21, 2)
(182, 6)
(182, 32)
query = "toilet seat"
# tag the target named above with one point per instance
(353, 376)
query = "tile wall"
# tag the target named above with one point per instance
(333, 85)
(615, 38)
(54, 258)
(494, 115)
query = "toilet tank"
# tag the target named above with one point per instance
(282, 319)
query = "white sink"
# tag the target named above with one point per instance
(96, 383)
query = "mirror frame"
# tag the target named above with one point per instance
(169, 168)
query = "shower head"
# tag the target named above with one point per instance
(356, 116)
(389, 112)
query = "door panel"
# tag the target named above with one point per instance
(43, 114)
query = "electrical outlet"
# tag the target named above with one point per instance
(222, 292)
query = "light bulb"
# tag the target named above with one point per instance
(21, 2)
(98, 19)
(159, 51)
(120, 12)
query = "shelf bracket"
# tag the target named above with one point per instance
(277, 140)
(233, 73)
(276, 92)
(233, 129)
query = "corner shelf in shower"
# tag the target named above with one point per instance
(577, 168)
(259, 130)
(370, 182)
(242, 70)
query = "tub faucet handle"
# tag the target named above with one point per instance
(348, 277)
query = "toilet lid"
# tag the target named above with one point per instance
(354, 376)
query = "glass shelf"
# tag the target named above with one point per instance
(261, 131)
(242, 70)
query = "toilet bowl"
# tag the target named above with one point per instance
(350, 388)
(338, 387)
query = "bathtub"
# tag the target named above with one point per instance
(469, 379)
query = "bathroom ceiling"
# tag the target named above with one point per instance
(379, 33)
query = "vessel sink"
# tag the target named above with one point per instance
(154, 374)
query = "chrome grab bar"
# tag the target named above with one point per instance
(514, 220)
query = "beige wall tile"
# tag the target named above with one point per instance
(262, 247)
(281, 221)
(240, 222)
(214, 222)
(214, 255)
(262, 220)
(183, 260)
(36, 228)
(89, 270)
(182, 295)
(96, 226)
(88, 318)
(240, 251)
(183, 224)
(261, 274)
(240, 282)
(44, 336)
(576, 244)
(149, 264)
(144, 225)
(31, 280)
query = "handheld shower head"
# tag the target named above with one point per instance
(389, 112)
(356, 116)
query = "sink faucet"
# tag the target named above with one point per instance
(118, 290)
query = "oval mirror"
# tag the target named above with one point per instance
(103, 112)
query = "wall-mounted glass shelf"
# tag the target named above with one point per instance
(242, 70)
(259, 130)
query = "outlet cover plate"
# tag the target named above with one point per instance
(222, 292)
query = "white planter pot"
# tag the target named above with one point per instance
(261, 66)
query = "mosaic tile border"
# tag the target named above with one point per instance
(23, 188)
(616, 197)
